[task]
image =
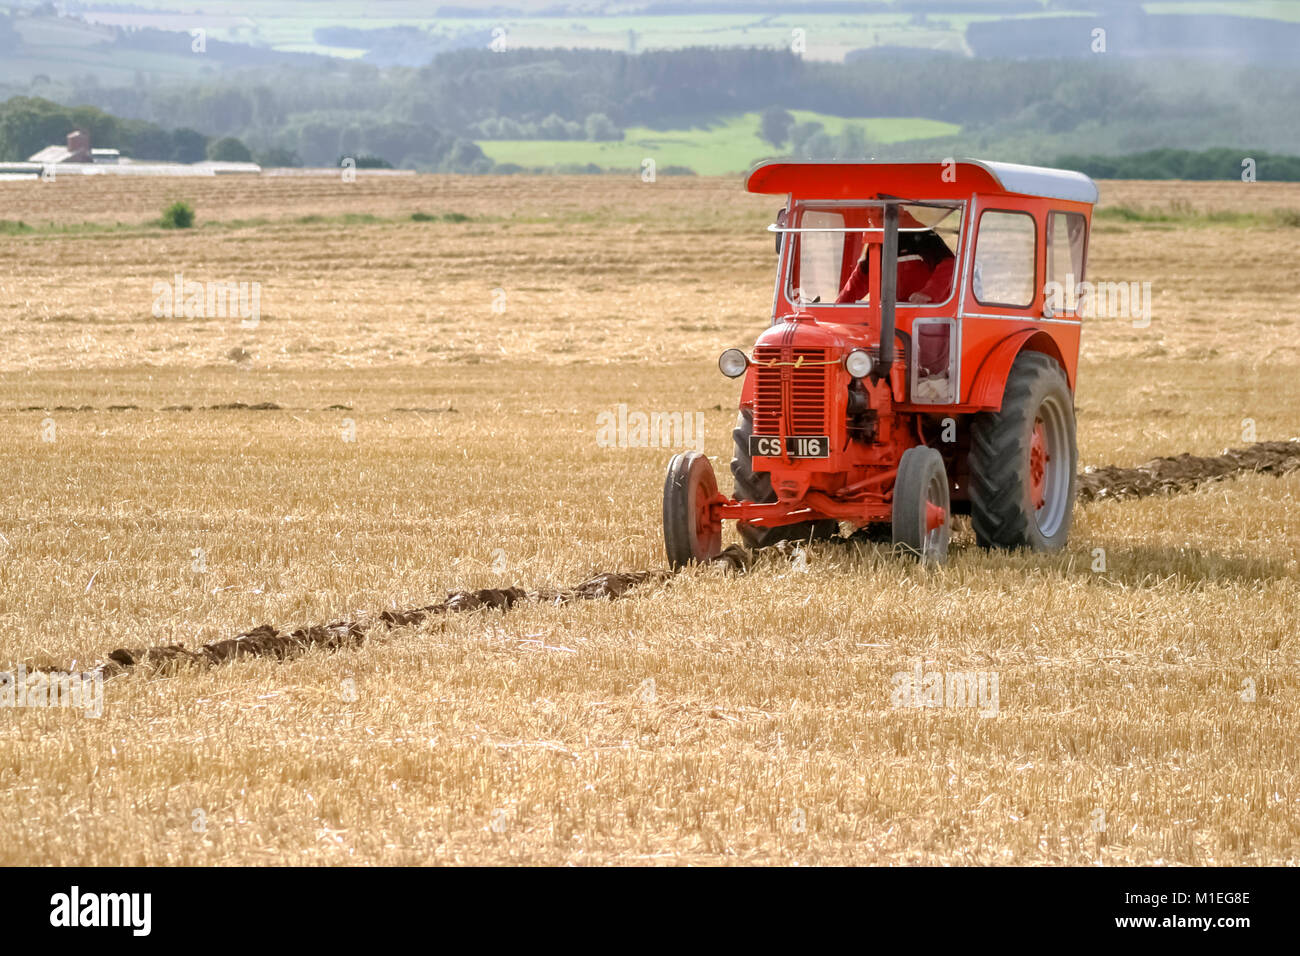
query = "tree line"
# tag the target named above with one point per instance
(428, 118)
(29, 124)
(1246, 165)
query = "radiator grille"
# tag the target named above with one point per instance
(805, 386)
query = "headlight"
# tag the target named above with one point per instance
(732, 363)
(858, 363)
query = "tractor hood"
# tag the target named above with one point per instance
(802, 331)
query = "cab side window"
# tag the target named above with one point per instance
(1004, 259)
(1067, 234)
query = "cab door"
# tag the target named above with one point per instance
(1002, 290)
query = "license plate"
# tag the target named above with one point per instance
(797, 446)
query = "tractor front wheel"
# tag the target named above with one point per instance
(690, 533)
(922, 514)
(1023, 460)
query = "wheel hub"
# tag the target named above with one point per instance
(1038, 459)
(935, 516)
(937, 530)
(706, 523)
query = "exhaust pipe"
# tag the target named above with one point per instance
(888, 292)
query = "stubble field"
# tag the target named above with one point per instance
(431, 392)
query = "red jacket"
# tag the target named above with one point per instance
(913, 276)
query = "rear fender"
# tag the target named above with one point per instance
(991, 379)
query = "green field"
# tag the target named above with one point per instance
(58, 48)
(827, 36)
(291, 26)
(1268, 9)
(55, 46)
(728, 146)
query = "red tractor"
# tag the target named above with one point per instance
(921, 361)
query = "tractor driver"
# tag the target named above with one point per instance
(925, 269)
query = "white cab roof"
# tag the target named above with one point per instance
(1041, 181)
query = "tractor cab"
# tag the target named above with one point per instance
(915, 305)
(835, 249)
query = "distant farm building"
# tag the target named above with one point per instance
(78, 150)
(78, 157)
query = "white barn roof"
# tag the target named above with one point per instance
(51, 154)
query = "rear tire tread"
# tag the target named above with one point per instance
(999, 454)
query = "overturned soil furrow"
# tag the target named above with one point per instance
(1158, 476)
(1183, 472)
(225, 407)
(267, 641)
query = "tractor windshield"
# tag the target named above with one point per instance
(830, 242)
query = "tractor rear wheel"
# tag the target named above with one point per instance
(751, 487)
(690, 534)
(922, 513)
(1023, 460)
